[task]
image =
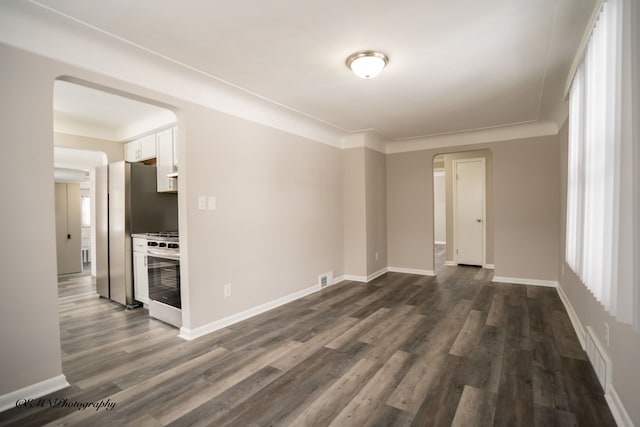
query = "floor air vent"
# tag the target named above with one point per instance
(598, 358)
(325, 279)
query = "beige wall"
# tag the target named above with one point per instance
(525, 205)
(29, 330)
(113, 149)
(410, 210)
(624, 344)
(355, 206)
(278, 223)
(376, 210)
(365, 213)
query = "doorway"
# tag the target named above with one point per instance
(456, 241)
(73, 175)
(91, 127)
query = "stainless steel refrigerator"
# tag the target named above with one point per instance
(127, 202)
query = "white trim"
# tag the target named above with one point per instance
(455, 163)
(450, 263)
(528, 282)
(618, 411)
(440, 242)
(352, 278)
(191, 334)
(411, 271)
(516, 131)
(489, 266)
(33, 391)
(575, 321)
(439, 172)
(338, 279)
(376, 274)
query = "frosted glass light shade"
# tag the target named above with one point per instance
(367, 64)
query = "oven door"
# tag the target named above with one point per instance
(164, 279)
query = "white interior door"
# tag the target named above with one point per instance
(469, 211)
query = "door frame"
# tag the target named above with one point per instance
(455, 162)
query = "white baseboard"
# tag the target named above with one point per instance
(366, 279)
(450, 263)
(33, 391)
(522, 281)
(362, 279)
(575, 322)
(618, 411)
(489, 266)
(376, 274)
(411, 271)
(191, 334)
(440, 242)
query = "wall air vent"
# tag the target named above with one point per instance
(598, 357)
(325, 279)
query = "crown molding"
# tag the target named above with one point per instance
(37, 29)
(370, 138)
(480, 136)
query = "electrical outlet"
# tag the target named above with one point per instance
(227, 290)
(606, 334)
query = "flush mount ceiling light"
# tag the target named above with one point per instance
(367, 64)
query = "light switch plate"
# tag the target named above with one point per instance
(212, 203)
(202, 203)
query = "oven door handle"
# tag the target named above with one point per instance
(166, 255)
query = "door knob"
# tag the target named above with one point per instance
(478, 220)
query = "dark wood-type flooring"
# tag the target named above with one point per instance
(404, 350)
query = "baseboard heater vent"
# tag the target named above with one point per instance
(326, 279)
(598, 357)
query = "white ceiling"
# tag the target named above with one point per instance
(82, 110)
(73, 165)
(455, 65)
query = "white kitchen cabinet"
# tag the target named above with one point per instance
(131, 151)
(140, 277)
(141, 149)
(165, 164)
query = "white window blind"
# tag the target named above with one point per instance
(602, 187)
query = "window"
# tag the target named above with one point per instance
(85, 211)
(602, 188)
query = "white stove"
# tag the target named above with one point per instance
(163, 272)
(163, 245)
